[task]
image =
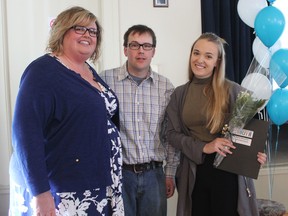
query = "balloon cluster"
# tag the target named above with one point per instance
(269, 23)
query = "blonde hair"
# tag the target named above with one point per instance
(218, 91)
(65, 21)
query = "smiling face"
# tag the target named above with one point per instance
(139, 60)
(79, 46)
(204, 58)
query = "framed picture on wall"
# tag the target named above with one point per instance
(160, 3)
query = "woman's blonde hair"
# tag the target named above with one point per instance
(65, 21)
(218, 90)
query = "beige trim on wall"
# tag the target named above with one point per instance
(111, 52)
(5, 73)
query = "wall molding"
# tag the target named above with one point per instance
(112, 47)
(276, 170)
(4, 200)
(4, 189)
(5, 71)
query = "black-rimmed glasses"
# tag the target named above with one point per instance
(136, 46)
(82, 30)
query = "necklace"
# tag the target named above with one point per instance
(83, 73)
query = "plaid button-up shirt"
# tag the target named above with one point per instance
(142, 111)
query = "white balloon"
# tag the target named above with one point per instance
(262, 53)
(259, 84)
(248, 10)
(275, 47)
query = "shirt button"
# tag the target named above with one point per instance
(77, 160)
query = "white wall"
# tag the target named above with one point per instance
(176, 28)
(25, 38)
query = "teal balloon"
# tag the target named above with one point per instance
(269, 25)
(277, 106)
(279, 67)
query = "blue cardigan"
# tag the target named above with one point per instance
(59, 131)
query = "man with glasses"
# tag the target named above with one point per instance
(143, 96)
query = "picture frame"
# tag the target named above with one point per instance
(160, 3)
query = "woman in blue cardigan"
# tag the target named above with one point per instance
(67, 151)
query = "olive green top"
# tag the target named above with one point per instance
(196, 101)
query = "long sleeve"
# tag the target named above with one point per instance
(33, 108)
(173, 155)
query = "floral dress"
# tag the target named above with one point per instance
(91, 202)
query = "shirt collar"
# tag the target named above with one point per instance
(123, 74)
